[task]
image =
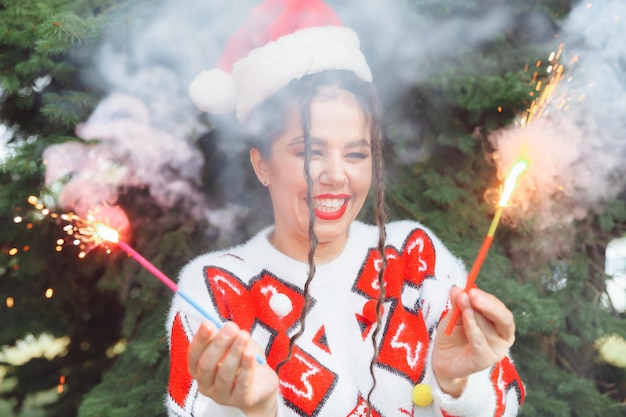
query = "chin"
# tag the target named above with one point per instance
(328, 231)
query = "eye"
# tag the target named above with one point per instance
(358, 155)
(314, 152)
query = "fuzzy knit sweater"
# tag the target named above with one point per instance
(260, 289)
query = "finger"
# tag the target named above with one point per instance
(494, 348)
(455, 292)
(230, 367)
(245, 379)
(460, 301)
(475, 335)
(210, 359)
(477, 328)
(497, 344)
(495, 312)
(201, 340)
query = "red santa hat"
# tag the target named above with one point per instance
(280, 41)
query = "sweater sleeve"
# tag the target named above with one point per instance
(493, 392)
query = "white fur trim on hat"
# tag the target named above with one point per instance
(267, 69)
(214, 91)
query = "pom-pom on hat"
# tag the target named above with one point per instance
(280, 41)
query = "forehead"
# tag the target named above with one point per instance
(334, 114)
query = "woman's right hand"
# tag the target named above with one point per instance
(223, 362)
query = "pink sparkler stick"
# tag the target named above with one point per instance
(153, 270)
(111, 235)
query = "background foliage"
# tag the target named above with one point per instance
(111, 311)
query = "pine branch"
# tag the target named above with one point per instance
(68, 108)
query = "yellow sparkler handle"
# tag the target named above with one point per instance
(495, 221)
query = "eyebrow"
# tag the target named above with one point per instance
(317, 141)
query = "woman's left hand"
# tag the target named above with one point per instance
(481, 338)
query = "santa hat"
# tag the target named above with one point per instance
(280, 41)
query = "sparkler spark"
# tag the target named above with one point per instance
(538, 106)
(527, 136)
(511, 181)
(79, 230)
(107, 233)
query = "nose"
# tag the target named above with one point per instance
(334, 172)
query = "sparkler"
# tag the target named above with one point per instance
(509, 185)
(89, 233)
(108, 234)
(96, 229)
(538, 108)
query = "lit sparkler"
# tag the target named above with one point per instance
(509, 185)
(102, 227)
(97, 233)
(545, 90)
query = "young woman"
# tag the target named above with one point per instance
(349, 316)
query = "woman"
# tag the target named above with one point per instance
(350, 317)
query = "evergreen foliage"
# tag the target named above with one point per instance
(112, 311)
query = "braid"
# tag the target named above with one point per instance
(380, 218)
(306, 125)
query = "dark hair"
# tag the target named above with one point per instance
(267, 123)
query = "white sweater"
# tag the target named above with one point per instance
(260, 289)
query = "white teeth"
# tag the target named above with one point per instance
(328, 205)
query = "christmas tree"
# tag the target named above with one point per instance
(93, 92)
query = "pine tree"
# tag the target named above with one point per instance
(96, 303)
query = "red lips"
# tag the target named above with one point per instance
(334, 215)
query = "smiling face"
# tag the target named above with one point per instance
(341, 171)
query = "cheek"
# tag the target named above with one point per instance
(362, 180)
(289, 180)
(363, 192)
(316, 167)
(287, 170)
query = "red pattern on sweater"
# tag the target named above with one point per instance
(180, 380)
(505, 377)
(406, 338)
(306, 384)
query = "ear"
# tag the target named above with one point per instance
(260, 166)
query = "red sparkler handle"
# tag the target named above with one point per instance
(478, 263)
(471, 279)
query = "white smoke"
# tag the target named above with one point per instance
(406, 45)
(126, 151)
(143, 133)
(157, 60)
(576, 147)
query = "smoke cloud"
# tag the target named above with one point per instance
(405, 44)
(576, 147)
(129, 153)
(145, 133)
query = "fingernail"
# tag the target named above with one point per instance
(229, 330)
(240, 341)
(207, 329)
(477, 299)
